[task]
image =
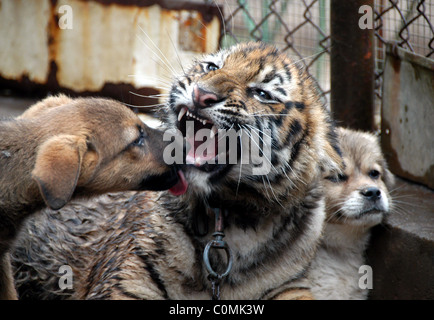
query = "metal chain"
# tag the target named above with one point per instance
(217, 243)
(215, 287)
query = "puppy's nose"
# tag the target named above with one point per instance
(203, 98)
(371, 193)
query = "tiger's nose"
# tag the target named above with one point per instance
(203, 98)
(371, 193)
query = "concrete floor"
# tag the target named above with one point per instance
(13, 106)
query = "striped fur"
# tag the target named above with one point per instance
(149, 245)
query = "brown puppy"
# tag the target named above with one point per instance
(64, 147)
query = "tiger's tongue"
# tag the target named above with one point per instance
(202, 157)
(181, 187)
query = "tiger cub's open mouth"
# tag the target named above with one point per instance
(206, 146)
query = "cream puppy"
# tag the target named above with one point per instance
(355, 202)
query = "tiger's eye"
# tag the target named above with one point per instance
(211, 67)
(263, 94)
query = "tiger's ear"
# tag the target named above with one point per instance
(57, 168)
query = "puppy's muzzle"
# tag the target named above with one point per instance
(160, 182)
(372, 194)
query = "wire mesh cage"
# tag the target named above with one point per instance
(408, 24)
(302, 29)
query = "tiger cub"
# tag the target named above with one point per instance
(268, 141)
(356, 201)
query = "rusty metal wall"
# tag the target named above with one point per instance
(408, 115)
(129, 50)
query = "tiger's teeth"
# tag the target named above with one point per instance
(197, 162)
(213, 132)
(185, 111)
(182, 113)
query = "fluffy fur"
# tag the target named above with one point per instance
(60, 148)
(356, 201)
(151, 244)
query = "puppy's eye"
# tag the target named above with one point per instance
(140, 141)
(211, 67)
(337, 178)
(374, 174)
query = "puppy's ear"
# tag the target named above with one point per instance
(331, 158)
(57, 168)
(389, 179)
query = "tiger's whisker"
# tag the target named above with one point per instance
(155, 96)
(167, 62)
(149, 106)
(176, 52)
(251, 139)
